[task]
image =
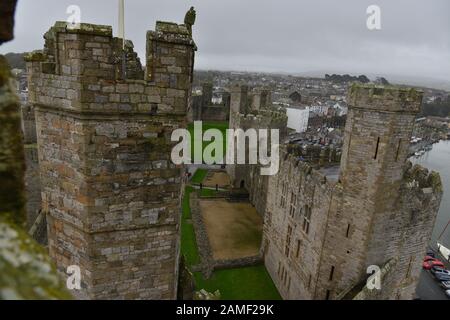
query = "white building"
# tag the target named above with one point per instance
(298, 118)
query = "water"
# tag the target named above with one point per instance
(438, 159)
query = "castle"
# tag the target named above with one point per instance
(111, 196)
(326, 223)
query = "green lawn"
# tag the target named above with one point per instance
(199, 175)
(252, 283)
(249, 283)
(222, 126)
(188, 243)
(208, 192)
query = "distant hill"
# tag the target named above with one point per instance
(346, 78)
(16, 60)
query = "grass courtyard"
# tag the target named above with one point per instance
(252, 283)
(221, 126)
(199, 176)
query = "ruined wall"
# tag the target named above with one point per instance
(260, 98)
(215, 113)
(203, 109)
(110, 191)
(248, 176)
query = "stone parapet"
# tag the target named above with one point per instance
(384, 98)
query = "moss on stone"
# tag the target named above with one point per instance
(435, 182)
(5, 73)
(26, 271)
(36, 55)
(12, 163)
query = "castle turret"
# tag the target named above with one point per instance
(109, 189)
(375, 223)
(239, 99)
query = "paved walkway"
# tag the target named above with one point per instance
(429, 288)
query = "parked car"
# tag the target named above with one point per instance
(430, 263)
(428, 258)
(446, 285)
(437, 269)
(447, 293)
(442, 276)
(431, 254)
(440, 273)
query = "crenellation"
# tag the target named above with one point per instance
(104, 144)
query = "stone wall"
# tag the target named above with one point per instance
(294, 194)
(109, 189)
(320, 235)
(32, 177)
(267, 117)
(203, 109)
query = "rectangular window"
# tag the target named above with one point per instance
(376, 149)
(293, 206)
(297, 252)
(331, 273)
(398, 149)
(348, 231)
(288, 241)
(306, 219)
(283, 195)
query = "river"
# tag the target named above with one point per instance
(438, 159)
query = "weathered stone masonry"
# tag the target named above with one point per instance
(111, 194)
(321, 234)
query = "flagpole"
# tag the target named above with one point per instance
(122, 35)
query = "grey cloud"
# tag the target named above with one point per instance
(276, 35)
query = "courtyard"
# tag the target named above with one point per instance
(233, 231)
(234, 228)
(219, 178)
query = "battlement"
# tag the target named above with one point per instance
(171, 32)
(418, 176)
(291, 162)
(315, 155)
(384, 98)
(82, 28)
(82, 70)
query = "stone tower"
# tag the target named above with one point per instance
(207, 94)
(238, 99)
(109, 189)
(380, 220)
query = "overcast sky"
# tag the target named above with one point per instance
(294, 36)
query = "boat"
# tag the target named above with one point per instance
(443, 250)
